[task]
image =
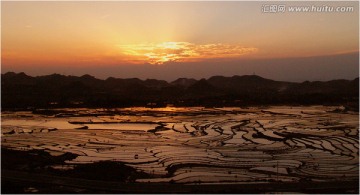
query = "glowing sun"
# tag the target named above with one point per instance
(161, 53)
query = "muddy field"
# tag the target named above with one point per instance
(199, 145)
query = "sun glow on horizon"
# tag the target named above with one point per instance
(130, 38)
(160, 53)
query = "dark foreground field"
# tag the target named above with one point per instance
(27, 172)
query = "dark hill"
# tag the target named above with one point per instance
(246, 84)
(202, 88)
(23, 91)
(183, 82)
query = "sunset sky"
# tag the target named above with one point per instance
(168, 40)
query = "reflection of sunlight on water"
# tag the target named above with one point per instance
(64, 124)
(59, 124)
(170, 109)
(255, 145)
(162, 109)
(123, 126)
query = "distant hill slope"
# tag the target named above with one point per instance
(184, 82)
(19, 90)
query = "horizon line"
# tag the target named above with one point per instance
(104, 79)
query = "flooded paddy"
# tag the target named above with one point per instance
(199, 145)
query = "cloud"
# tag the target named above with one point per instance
(182, 51)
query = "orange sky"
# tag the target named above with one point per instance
(85, 34)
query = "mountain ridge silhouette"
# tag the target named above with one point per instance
(22, 91)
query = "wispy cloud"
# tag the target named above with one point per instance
(182, 51)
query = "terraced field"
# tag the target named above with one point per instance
(200, 145)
